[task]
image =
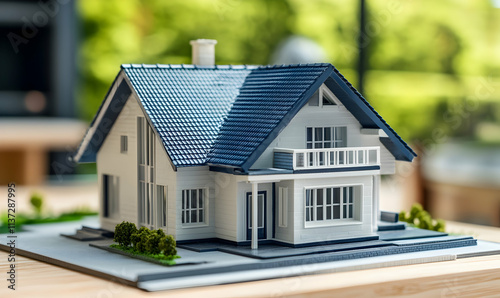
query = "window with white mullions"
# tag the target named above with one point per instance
(193, 206)
(331, 203)
(161, 195)
(146, 171)
(348, 202)
(326, 137)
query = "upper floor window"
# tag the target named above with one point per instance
(326, 137)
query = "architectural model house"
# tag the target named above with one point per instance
(289, 153)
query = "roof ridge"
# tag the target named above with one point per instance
(222, 66)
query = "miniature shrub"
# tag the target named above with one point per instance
(153, 241)
(402, 216)
(422, 219)
(415, 210)
(139, 239)
(36, 201)
(167, 245)
(123, 233)
(439, 226)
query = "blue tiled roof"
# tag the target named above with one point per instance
(218, 115)
(227, 115)
(267, 96)
(186, 104)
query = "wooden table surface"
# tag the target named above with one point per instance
(471, 277)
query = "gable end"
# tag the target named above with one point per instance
(102, 124)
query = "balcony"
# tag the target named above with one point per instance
(326, 158)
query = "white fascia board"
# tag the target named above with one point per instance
(279, 177)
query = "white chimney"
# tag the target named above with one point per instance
(203, 51)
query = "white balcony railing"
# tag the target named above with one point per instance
(332, 157)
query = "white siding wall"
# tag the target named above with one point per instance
(166, 176)
(294, 134)
(286, 234)
(226, 207)
(305, 235)
(123, 165)
(194, 178)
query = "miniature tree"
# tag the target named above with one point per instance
(36, 201)
(123, 233)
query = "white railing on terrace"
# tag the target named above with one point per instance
(333, 157)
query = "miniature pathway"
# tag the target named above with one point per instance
(270, 251)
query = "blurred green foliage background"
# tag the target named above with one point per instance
(431, 64)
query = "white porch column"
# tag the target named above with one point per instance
(255, 210)
(376, 204)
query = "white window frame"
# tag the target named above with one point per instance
(325, 92)
(357, 203)
(335, 140)
(162, 202)
(282, 207)
(186, 194)
(146, 172)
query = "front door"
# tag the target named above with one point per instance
(261, 215)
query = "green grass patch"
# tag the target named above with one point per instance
(26, 219)
(5, 230)
(155, 258)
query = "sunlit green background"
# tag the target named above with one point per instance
(431, 64)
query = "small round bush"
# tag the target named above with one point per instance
(139, 239)
(167, 245)
(440, 225)
(160, 232)
(123, 233)
(153, 242)
(36, 201)
(415, 210)
(403, 216)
